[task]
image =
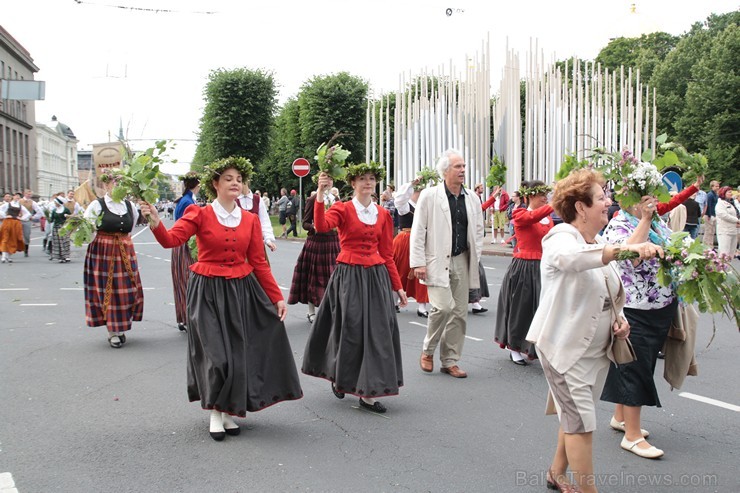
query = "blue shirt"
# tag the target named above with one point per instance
(182, 204)
(711, 204)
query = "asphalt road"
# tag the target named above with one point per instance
(78, 416)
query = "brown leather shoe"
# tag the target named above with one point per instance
(454, 371)
(427, 362)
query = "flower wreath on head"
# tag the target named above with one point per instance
(213, 172)
(190, 175)
(532, 191)
(356, 170)
(108, 175)
(426, 177)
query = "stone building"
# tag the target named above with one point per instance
(17, 130)
(57, 158)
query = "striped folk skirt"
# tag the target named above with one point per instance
(401, 251)
(59, 244)
(354, 341)
(517, 301)
(180, 266)
(239, 356)
(113, 293)
(314, 267)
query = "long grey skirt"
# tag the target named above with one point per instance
(475, 295)
(354, 340)
(239, 356)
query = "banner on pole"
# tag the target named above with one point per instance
(106, 156)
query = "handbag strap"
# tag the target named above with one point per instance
(611, 298)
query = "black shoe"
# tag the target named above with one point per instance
(114, 344)
(480, 310)
(422, 314)
(661, 355)
(218, 435)
(122, 337)
(376, 407)
(182, 327)
(337, 394)
(520, 362)
(232, 432)
(398, 309)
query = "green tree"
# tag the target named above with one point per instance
(711, 116)
(643, 53)
(238, 115)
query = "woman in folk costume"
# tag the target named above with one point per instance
(520, 288)
(405, 201)
(60, 247)
(317, 259)
(113, 293)
(35, 214)
(354, 342)
(182, 258)
(239, 357)
(11, 230)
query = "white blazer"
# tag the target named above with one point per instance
(572, 296)
(431, 236)
(726, 218)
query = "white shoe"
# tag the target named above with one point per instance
(619, 426)
(503, 241)
(647, 453)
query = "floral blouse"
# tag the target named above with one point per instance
(641, 286)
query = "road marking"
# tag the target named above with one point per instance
(473, 338)
(137, 234)
(709, 400)
(146, 243)
(148, 289)
(283, 288)
(158, 258)
(71, 289)
(489, 268)
(38, 304)
(14, 289)
(7, 484)
(419, 324)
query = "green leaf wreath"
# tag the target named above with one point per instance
(426, 176)
(331, 157)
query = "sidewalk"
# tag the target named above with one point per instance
(498, 249)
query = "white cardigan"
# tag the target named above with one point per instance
(726, 218)
(431, 236)
(572, 296)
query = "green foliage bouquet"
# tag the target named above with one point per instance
(699, 275)
(671, 154)
(631, 177)
(331, 160)
(141, 177)
(426, 176)
(497, 174)
(80, 229)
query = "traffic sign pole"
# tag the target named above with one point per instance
(301, 168)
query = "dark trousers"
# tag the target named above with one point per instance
(292, 227)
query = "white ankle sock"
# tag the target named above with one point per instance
(423, 307)
(517, 356)
(228, 422)
(311, 309)
(217, 421)
(477, 306)
(368, 400)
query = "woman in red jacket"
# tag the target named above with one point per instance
(239, 357)
(355, 341)
(520, 288)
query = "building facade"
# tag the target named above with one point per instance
(17, 131)
(85, 167)
(57, 158)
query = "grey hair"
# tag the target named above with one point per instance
(444, 161)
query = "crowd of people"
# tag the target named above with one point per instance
(565, 300)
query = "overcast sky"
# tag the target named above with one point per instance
(102, 63)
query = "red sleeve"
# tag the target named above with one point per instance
(324, 220)
(385, 248)
(676, 200)
(504, 201)
(184, 228)
(488, 203)
(524, 217)
(256, 258)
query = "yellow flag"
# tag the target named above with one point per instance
(84, 194)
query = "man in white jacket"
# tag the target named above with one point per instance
(446, 241)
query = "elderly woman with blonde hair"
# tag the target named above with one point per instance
(575, 324)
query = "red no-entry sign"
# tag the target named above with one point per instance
(301, 167)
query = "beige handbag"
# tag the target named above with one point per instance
(622, 350)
